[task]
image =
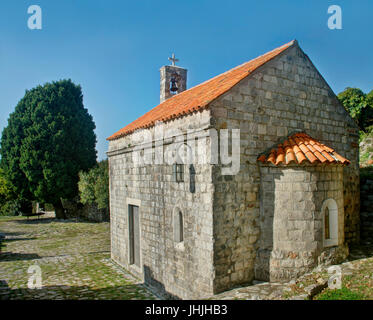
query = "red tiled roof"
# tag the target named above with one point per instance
(198, 97)
(300, 147)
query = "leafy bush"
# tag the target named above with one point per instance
(6, 189)
(11, 208)
(8, 206)
(368, 133)
(359, 105)
(366, 147)
(86, 186)
(94, 185)
(48, 207)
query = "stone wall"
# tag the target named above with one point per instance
(287, 94)
(183, 270)
(291, 221)
(222, 218)
(366, 194)
(88, 212)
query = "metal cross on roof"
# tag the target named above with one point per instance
(173, 59)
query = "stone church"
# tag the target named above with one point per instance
(190, 231)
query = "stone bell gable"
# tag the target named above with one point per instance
(191, 231)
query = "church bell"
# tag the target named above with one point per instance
(174, 87)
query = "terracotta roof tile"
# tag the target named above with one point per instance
(198, 97)
(300, 147)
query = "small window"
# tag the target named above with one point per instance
(178, 226)
(192, 179)
(181, 229)
(327, 224)
(178, 172)
(330, 223)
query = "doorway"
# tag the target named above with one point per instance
(134, 234)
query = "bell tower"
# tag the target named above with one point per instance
(173, 79)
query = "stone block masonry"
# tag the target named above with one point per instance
(178, 271)
(262, 223)
(291, 220)
(285, 95)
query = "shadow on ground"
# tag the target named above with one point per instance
(125, 292)
(360, 251)
(10, 256)
(18, 239)
(11, 234)
(49, 220)
(38, 221)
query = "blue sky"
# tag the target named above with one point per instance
(114, 48)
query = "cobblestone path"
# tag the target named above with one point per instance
(74, 259)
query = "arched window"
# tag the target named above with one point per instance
(192, 179)
(327, 224)
(178, 226)
(329, 213)
(181, 227)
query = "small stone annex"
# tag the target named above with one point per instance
(190, 230)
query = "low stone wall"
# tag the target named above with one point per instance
(366, 205)
(89, 212)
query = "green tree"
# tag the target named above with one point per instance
(102, 185)
(49, 139)
(9, 204)
(370, 110)
(86, 186)
(359, 105)
(6, 189)
(94, 185)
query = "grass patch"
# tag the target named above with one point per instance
(73, 257)
(340, 294)
(356, 285)
(53, 245)
(11, 218)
